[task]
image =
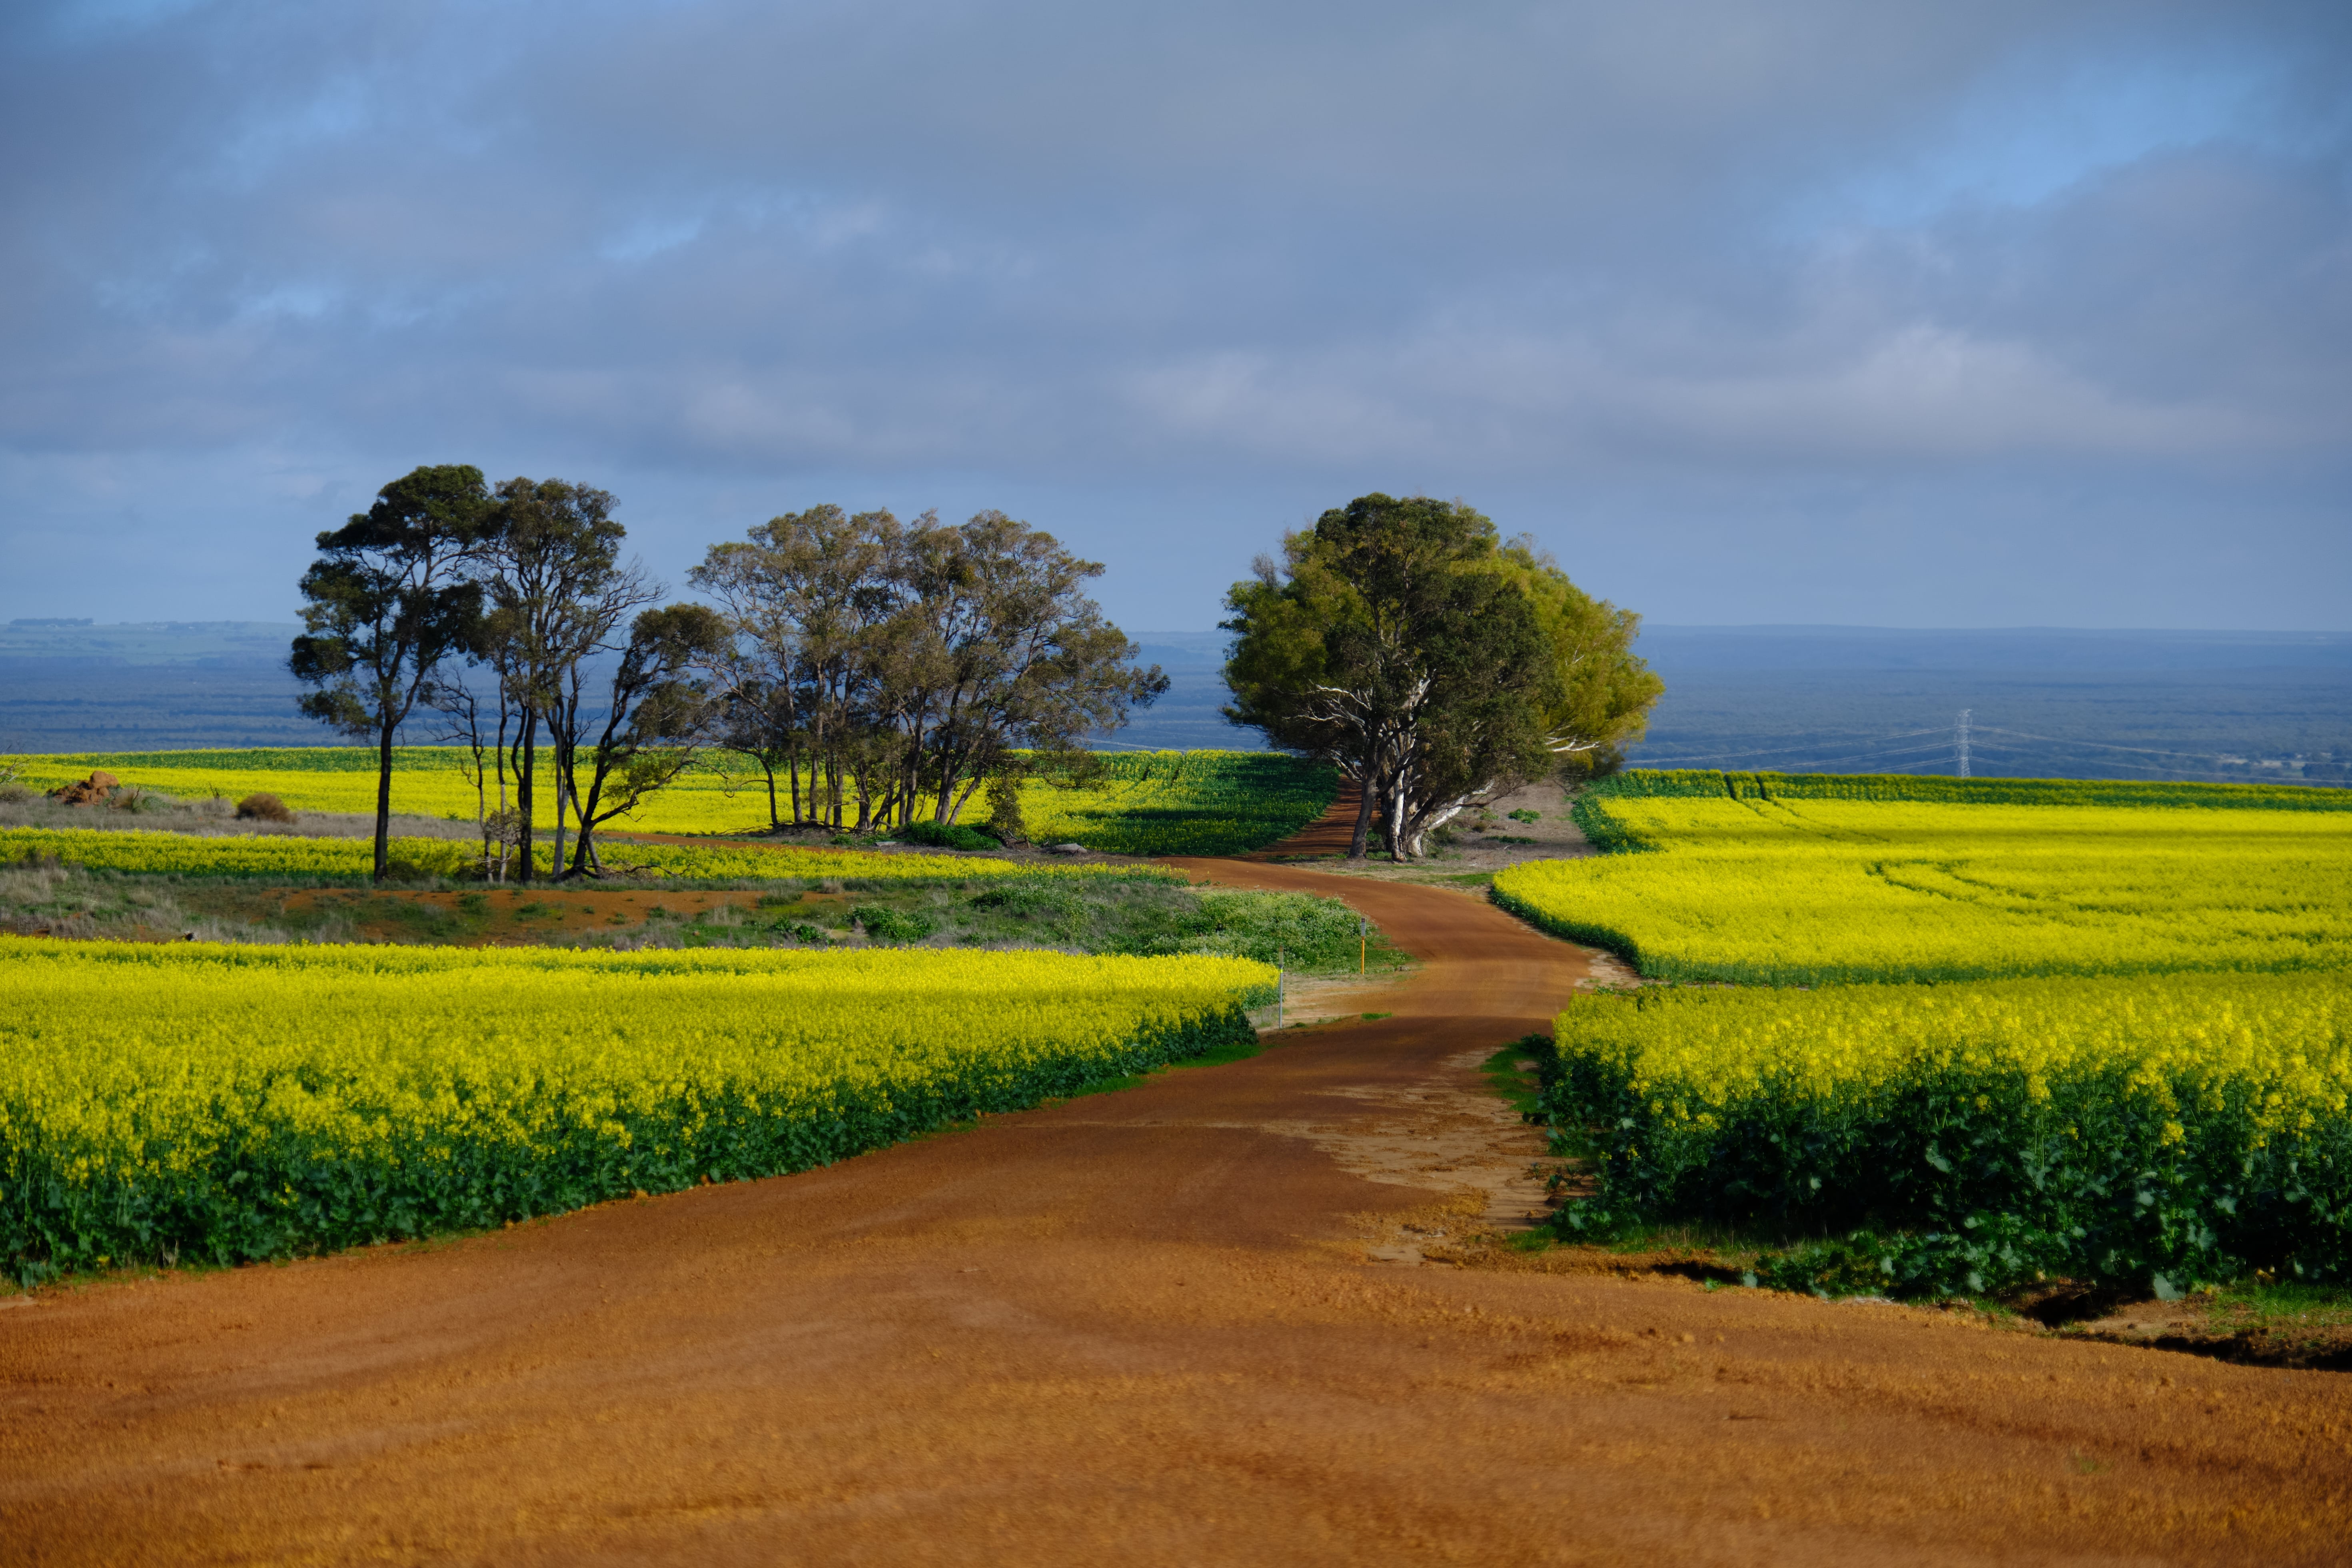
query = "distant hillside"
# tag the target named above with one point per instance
(148, 642)
(2050, 703)
(74, 686)
(2228, 707)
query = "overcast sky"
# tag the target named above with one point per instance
(1969, 314)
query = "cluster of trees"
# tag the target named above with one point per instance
(1435, 664)
(876, 672)
(895, 664)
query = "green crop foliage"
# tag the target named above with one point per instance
(2157, 1130)
(1182, 803)
(233, 1103)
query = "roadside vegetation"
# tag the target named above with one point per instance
(2259, 1318)
(2164, 1111)
(153, 887)
(1131, 802)
(228, 1104)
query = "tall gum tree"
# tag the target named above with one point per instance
(903, 661)
(1008, 651)
(554, 575)
(388, 599)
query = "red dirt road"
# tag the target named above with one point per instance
(1136, 1328)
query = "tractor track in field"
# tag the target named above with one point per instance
(1191, 1322)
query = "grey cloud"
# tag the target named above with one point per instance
(1235, 250)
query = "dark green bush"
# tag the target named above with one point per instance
(893, 925)
(946, 836)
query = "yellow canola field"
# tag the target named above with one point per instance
(1143, 802)
(426, 782)
(281, 855)
(236, 1102)
(2277, 1048)
(1811, 892)
(2193, 1126)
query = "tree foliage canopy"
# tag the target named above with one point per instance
(1432, 662)
(900, 662)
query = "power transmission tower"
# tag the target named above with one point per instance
(1963, 739)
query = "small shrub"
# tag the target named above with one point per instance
(1031, 901)
(1004, 819)
(263, 807)
(893, 925)
(1526, 816)
(947, 836)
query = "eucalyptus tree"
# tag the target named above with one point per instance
(807, 595)
(655, 712)
(1013, 654)
(390, 597)
(1433, 664)
(903, 662)
(557, 591)
(748, 673)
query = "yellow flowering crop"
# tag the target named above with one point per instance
(279, 855)
(232, 1102)
(426, 782)
(1141, 803)
(2193, 1125)
(1808, 891)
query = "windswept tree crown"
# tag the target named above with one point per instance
(1434, 662)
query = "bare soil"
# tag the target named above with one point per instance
(1477, 843)
(1177, 1324)
(2229, 1329)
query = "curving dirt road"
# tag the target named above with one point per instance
(1152, 1327)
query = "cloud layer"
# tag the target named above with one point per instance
(1827, 310)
